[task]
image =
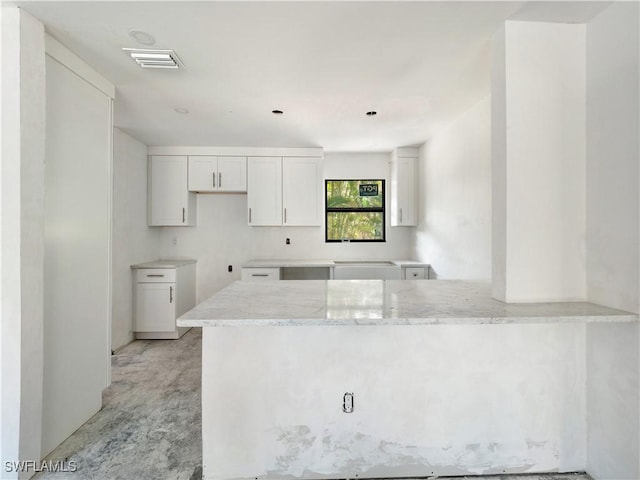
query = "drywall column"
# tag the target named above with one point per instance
(21, 238)
(613, 240)
(538, 162)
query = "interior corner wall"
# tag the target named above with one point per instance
(454, 201)
(133, 241)
(613, 177)
(22, 240)
(542, 215)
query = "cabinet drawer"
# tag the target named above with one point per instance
(414, 273)
(156, 275)
(260, 274)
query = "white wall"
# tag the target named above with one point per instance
(613, 241)
(544, 163)
(613, 203)
(21, 236)
(77, 260)
(454, 207)
(223, 237)
(133, 241)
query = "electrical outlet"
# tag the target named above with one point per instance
(230, 268)
(347, 402)
(288, 241)
(174, 240)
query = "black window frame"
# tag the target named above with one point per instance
(382, 209)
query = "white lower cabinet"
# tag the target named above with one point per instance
(162, 294)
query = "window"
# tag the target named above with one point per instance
(354, 210)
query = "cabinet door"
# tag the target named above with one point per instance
(155, 307)
(403, 192)
(301, 182)
(232, 174)
(264, 187)
(203, 173)
(170, 203)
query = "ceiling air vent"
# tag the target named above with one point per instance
(149, 58)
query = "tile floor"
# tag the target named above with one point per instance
(149, 427)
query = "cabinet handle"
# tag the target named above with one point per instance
(183, 213)
(285, 215)
(220, 180)
(170, 294)
(154, 275)
(259, 274)
(214, 179)
(400, 214)
(249, 214)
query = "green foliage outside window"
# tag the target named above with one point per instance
(355, 210)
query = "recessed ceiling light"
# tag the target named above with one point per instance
(371, 113)
(149, 58)
(277, 112)
(143, 38)
(181, 110)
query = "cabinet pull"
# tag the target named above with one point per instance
(249, 214)
(214, 179)
(155, 275)
(220, 180)
(285, 215)
(183, 213)
(259, 274)
(400, 214)
(170, 294)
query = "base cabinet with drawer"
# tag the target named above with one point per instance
(260, 274)
(163, 291)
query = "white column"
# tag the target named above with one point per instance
(21, 237)
(538, 141)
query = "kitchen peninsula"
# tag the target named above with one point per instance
(371, 378)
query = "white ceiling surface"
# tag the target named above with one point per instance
(418, 64)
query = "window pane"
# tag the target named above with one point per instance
(355, 226)
(354, 194)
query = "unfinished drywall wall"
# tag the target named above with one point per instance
(613, 401)
(223, 237)
(133, 241)
(454, 206)
(613, 168)
(428, 400)
(542, 181)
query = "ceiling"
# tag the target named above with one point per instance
(417, 64)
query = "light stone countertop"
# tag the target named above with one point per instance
(380, 302)
(286, 263)
(165, 263)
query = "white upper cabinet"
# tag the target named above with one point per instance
(284, 191)
(170, 202)
(404, 194)
(264, 191)
(301, 191)
(209, 173)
